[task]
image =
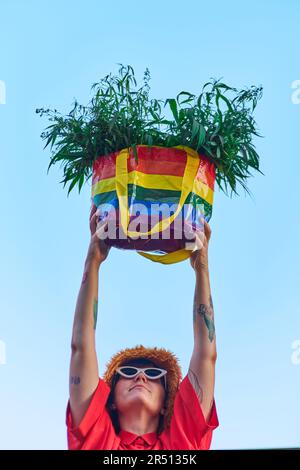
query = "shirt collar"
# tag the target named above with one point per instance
(128, 437)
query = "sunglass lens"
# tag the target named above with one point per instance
(153, 372)
(129, 371)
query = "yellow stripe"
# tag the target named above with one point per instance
(154, 182)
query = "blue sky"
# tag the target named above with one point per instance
(50, 53)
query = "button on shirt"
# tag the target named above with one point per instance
(188, 428)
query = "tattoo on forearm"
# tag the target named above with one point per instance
(95, 312)
(207, 313)
(84, 277)
(211, 302)
(75, 380)
(195, 310)
(195, 383)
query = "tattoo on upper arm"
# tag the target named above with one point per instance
(207, 313)
(195, 383)
(75, 380)
(95, 312)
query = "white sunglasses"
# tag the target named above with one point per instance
(152, 373)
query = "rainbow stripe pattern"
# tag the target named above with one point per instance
(174, 177)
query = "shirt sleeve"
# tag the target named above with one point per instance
(189, 430)
(95, 430)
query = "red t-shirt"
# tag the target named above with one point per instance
(188, 429)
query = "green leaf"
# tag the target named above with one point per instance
(223, 98)
(201, 137)
(154, 115)
(73, 183)
(135, 153)
(81, 181)
(48, 141)
(195, 129)
(52, 162)
(188, 100)
(173, 107)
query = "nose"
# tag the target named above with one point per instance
(141, 376)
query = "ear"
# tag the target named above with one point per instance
(113, 406)
(163, 411)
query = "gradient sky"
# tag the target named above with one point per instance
(52, 52)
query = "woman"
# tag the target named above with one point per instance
(141, 402)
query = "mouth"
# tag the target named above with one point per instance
(139, 386)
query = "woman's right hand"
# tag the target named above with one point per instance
(98, 249)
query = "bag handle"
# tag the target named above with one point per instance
(168, 258)
(121, 180)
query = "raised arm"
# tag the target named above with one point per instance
(202, 365)
(84, 374)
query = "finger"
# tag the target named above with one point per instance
(101, 229)
(202, 222)
(94, 217)
(198, 242)
(207, 230)
(93, 222)
(93, 209)
(201, 218)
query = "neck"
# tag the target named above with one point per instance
(138, 422)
